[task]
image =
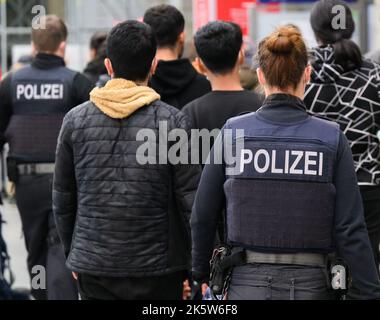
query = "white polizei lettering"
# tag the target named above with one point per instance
(39, 92)
(28, 92)
(264, 153)
(36, 96)
(274, 158)
(309, 162)
(287, 155)
(320, 164)
(20, 91)
(244, 160)
(293, 169)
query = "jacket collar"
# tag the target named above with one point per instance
(283, 108)
(47, 61)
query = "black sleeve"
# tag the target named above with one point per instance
(209, 203)
(186, 176)
(82, 87)
(5, 107)
(64, 186)
(351, 234)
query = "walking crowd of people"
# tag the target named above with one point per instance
(118, 202)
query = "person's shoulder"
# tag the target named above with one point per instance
(197, 104)
(81, 111)
(241, 120)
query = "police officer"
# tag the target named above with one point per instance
(33, 102)
(289, 188)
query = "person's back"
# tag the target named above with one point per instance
(123, 219)
(33, 102)
(288, 185)
(175, 79)
(345, 88)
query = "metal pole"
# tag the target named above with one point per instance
(4, 51)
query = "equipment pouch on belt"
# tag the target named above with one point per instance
(12, 169)
(223, 260)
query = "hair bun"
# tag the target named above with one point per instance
(283, 41)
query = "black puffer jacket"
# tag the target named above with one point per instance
(117, 218)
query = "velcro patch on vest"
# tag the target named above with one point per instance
(291, 160)
(27, 91)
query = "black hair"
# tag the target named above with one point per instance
(167, 23)
(97, 40)
(347, 52)
(218, 45)
(131, 47)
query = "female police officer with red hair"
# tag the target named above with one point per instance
(291, 196)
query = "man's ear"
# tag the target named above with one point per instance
(61, 51)
(260, 76)
(241, 59)
(108, 65)
(182, 37)
(202, 68)
(154, 67)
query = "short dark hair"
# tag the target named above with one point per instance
(97, 40)
(218, 44)
(131, 47)
(49, 38)
(167, 23)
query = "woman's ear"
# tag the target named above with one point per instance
(108, 65)
(308, 71)
(260, 76)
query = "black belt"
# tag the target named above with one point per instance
(38, 168)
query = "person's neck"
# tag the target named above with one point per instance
(226, 82)
(299, 93)
(167, 54)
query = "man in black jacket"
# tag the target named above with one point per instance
(33, 102)
(124, 222)
(175, 79)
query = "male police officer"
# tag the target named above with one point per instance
(33, 102)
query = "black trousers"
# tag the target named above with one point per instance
(371, 203)
(167, 287)
(34, 202)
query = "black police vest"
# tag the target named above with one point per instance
(280, 192)
(40, 100)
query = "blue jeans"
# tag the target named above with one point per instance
(278, 282)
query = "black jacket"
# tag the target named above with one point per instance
(352, 99)
(94, 70)
(178, 82)
(116, 217)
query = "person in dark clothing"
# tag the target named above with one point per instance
(175, 79)
(291, 192)
(345, 88)
(219, 47)
(95, 68)
(124, 221)
(33, 102)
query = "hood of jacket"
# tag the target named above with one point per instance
(120, 98)
(325, 69)
(172, 77)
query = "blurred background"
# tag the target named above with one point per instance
(84, 17)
